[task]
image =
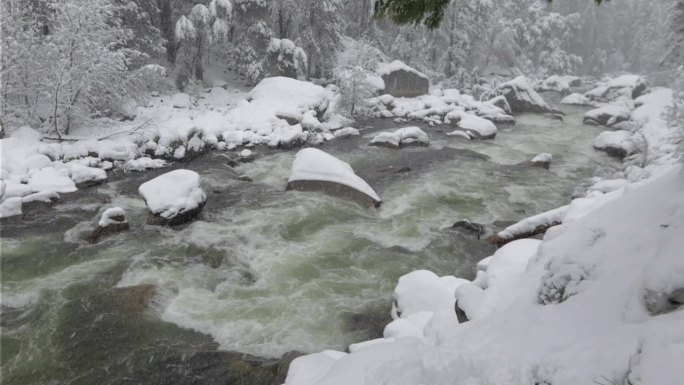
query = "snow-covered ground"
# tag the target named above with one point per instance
(598, 301)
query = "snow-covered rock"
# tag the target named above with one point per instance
(173, 198)
(346, 131)
(315, 170)
(475, 126)
(287, 136)
(113, 220)
(402, 80)
(542, 160)
(181, 100)
(10, 207)
(144, 163)
(529, 227)
(50, 179)
(309, 369)
(607, 115)
(404, 136)
(423, 290)
(576, 99)
(86, 176)
(521, 96)
(616, 143)
(627, 86)
(45, 197)
(560, 84)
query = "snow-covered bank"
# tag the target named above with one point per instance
(599, 300)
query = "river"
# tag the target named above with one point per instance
(263, 271)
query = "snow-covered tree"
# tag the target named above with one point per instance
(64, 63)
(196, 33)
(319, 34)
(252, 36)
(285, 59)
(355, 74)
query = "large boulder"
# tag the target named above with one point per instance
(521, 96)
(173, 198)
(315, 170)
(560, 84)
(402, 80)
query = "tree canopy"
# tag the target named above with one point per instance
(428, 12)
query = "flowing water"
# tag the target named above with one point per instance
(263, 271)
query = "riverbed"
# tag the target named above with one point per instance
(264, 271)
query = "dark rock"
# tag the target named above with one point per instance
(460, 314)
(244, 178)
(334, 189)
(181, 218)
(501, 102)
(402, 83)
(639, 90)
(403, 169)
(521, 98)
(291, 120)
(663, 302)
(469, 228)
(118, 224)
(90, 183)
(133, 299)
(556, 117)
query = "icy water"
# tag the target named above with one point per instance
(263, 271)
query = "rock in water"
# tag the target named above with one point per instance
(475, 126)
(542, 160)
(607, 115)
(113, 221)
(522, 97)
(173, 198)
(406, 136)
(616, 143)
(315, 170)
(402, 80)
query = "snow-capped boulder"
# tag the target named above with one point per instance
(181, 100)
(113, 221)
(40, 199)
(10, 207)
(423, 290)
(616, 143)
(402, 80)
(626, 86)
(542, 160)
(560, 84)
(521, 96)
(405, 136)
(576, 99)
(86, 176)
(287, 136)
(475, 126)
(173, 198)
(246, 155)
(315, 170)
(501, 102)
(345, 132)
(607, 115)
(50, 179)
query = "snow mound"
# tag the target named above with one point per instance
(10, 207)
(402, 137)
(144, 163)
(50, 179)
(181, 100)
(86, 175)
(173, 193)
(313, 165)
